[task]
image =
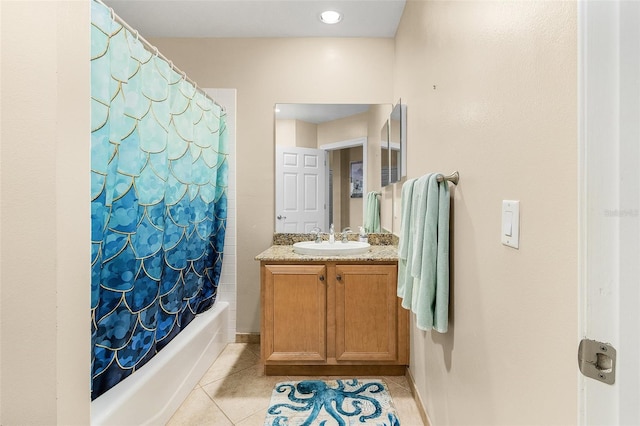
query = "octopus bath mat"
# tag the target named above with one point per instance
(331, 402)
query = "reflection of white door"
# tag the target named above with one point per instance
(300, 189)
(609, 96)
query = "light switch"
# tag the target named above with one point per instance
(510, 223)
(507, 224)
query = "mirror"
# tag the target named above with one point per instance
(384, 155)
(398, 142)
(322, 164)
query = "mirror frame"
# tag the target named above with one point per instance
(399, 117)
(385, 155)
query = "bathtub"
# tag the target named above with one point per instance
(151, 395)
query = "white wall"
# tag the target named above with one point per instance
(227, 288)
(503, 113)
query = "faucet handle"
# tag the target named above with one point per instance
(345, 233)
(317, 231)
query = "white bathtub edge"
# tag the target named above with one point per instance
(152, 394)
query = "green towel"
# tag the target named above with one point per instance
(418, 221)
(405, 244)
(372, 217)
(431, 301)
(416, 210)
(423, 267)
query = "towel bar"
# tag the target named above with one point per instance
(453, 178)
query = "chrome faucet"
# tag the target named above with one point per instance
(318, 234)
(345, 232)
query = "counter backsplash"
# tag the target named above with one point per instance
(286, 239)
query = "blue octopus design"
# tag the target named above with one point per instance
(323, 396)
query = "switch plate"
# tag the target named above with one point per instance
(510, 230)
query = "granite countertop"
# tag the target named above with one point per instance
(284, 253)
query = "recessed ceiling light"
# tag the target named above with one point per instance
(330, 17)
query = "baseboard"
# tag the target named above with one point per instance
(247, 337)
(416, 396)
(334, 370)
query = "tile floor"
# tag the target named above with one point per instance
(234, 391)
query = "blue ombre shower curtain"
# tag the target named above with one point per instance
(158, 201)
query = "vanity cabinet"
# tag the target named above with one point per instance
(332, 318)
(294, 300)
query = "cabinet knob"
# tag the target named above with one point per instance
(339, 277)
(321, 277)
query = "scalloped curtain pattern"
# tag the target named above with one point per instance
(158, 201)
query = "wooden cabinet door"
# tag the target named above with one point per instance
(294, 313)
(366, 313)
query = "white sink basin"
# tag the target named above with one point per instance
(327, 249)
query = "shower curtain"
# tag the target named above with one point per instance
(158, 201)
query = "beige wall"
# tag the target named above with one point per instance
(335, 157)
(44, 176)
(343, 129)
(353, 216)
(503, 113)
(306, 134)
(285, 133)
(296, 133)
(266, 72)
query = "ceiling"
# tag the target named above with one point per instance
(259, 18)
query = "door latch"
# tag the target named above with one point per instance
(597, 360)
